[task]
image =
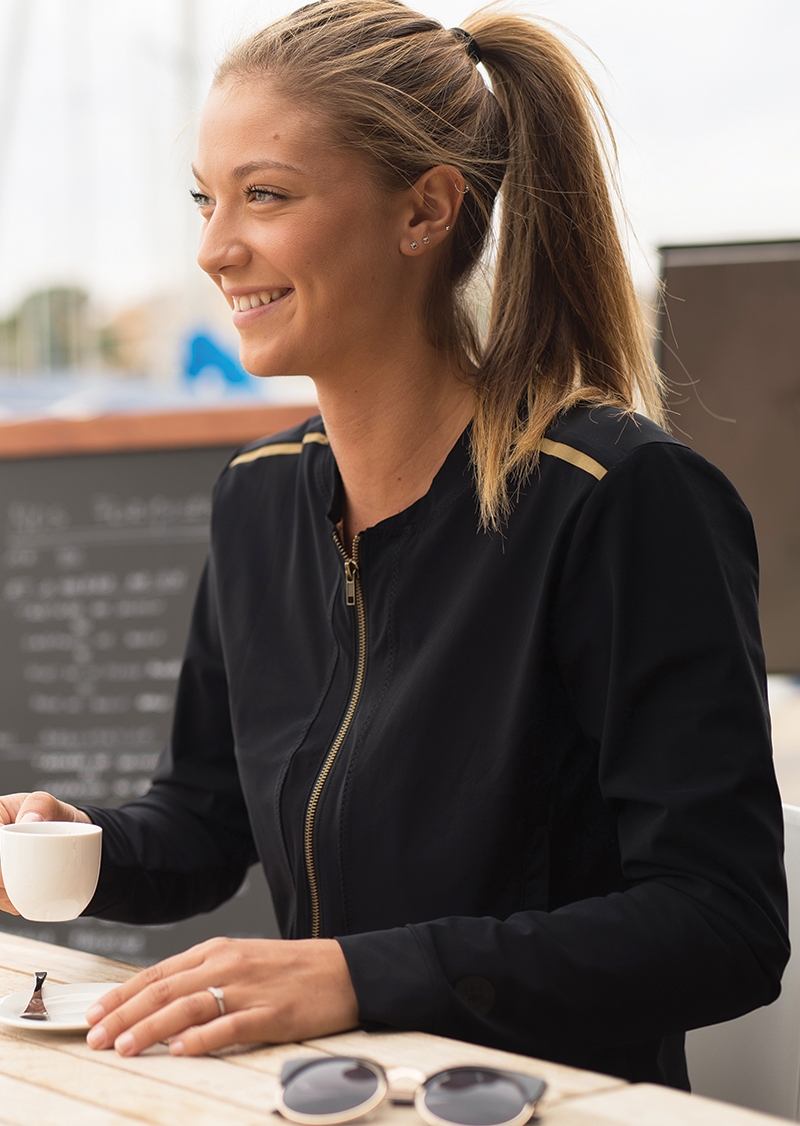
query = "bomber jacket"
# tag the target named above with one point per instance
(524, 777)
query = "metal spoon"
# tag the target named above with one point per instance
(36, 1009)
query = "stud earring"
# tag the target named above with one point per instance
(447, 228)
(415, 246)
(426, 240)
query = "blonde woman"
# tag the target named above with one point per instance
(474, 669)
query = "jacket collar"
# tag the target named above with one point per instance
(454, 478)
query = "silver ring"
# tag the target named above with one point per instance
(216, 993)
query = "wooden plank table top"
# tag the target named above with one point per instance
(55, 1079)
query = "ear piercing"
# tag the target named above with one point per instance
(426, 240)
(447, 228)
(415, 246)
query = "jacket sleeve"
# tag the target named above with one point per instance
(186, 845)
(655, 632)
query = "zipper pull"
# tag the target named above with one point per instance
(350, 570)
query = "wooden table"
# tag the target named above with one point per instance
(57, 1079)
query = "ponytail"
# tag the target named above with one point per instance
(565, 325)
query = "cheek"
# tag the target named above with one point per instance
(335, 277)
(314, 261)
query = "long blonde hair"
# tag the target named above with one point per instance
(565, 324)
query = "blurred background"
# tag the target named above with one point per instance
(99, 293)
(104, 311)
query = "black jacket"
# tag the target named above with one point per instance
(551, 824)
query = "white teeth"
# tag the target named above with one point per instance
(253, 300)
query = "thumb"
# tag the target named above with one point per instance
(41, 806)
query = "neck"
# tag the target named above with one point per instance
(390, 432)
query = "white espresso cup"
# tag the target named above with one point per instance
(50, 868)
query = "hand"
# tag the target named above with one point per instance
(33, 807)
(275, 991)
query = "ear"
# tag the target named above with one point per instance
(434, 202)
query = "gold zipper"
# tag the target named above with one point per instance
(353, 597)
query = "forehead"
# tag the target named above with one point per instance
(249, 121)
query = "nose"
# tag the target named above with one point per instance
(221, 245)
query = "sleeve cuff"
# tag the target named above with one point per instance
(393, 982)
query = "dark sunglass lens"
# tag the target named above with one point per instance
(471, 1097)
(330, 1087)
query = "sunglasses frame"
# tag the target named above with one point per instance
(530, 1087)
(295, 1066)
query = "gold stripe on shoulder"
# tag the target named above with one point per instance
(282, 448)
(574, 457)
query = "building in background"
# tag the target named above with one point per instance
(50, 331)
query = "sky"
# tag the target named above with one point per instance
(98, 97)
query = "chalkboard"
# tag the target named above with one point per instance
(101, 555)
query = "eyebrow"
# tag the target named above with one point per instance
(245, 170)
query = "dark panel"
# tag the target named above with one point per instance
(101, 555)
(731, 353)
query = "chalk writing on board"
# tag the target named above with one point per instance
(93, 642)
(99, 560)
(100, 557)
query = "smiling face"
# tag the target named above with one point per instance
(300, 239)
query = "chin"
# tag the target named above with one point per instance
(265, 363)
(265, 367)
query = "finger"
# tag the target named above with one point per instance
(41, 806)
(149, 1002)
(145, 979)
(175, 1018)
(9, 807)
(249, 1026)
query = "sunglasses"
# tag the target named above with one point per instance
(324, 1092)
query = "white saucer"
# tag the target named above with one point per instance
(66, 1004)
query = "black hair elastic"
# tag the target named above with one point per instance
(470, 44)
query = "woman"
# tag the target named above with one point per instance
(474, 668)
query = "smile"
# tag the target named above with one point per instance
(253, 300)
